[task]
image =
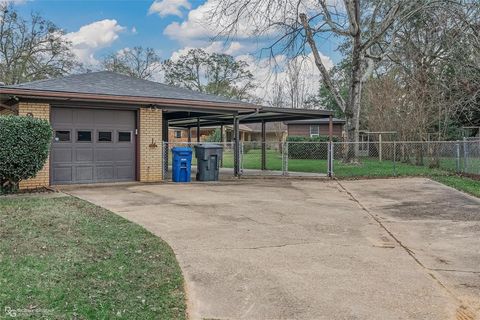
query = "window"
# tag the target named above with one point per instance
(104, 136)
(124, 136)
(62, 136)
(84, 136)
(314, 130)
(178, 134)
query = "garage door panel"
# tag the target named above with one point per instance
(96, 158)
(62, 174)
(84, 155)
(62, 155)
(62, 117)
(105, 172)
(103, 118)
(123, 119)
(84, 116)
(105, 154)
(124, 154)
(84, 173)
(125, 173)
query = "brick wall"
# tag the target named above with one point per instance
(42, 111)
(303, 130)
(150, 151)
(5, 111)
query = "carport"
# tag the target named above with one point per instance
(192, 117)
(109, 127)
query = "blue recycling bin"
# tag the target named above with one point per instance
(182, 164)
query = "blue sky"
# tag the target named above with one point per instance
(150, 27)
(171, 27)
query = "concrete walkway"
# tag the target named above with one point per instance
(283, 249)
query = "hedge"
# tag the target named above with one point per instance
(24, 145)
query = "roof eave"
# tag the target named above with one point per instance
(161, 102)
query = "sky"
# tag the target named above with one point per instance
(99, 27)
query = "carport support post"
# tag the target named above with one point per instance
(189, 134)
(223, 144)
(236, 147)
(198, 130)
(264, 147)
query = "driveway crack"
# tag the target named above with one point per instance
(401, 244)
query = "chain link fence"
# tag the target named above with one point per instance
(347, 159)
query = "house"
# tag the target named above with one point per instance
(274, 131)
(315, 127)
(182, 134)
(110, 127)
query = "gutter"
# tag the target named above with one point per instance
(71, 96)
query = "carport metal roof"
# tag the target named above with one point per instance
(188, 119)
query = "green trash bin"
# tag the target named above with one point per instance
(209, 157)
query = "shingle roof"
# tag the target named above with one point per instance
(111, 83)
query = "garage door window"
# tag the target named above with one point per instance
(124, 136)
(62, 136)
(84, 136)
(104, 136)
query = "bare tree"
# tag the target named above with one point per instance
(31, 49)
(213, 73)
(138, 62)
(295, 24)
(296, 83)
(431, 79)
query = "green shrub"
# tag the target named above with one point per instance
(214, 136)
(24, 145)
(306, 148)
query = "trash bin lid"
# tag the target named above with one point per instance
(181, 149)
(209, 146)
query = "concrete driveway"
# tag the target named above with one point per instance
(293, 249)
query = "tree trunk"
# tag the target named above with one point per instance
(352, 110)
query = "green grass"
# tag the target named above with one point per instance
(464, 184)
(64, 258)
(367, 167)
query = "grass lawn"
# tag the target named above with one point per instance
(64, 258)
(464, 184)
(367, 167)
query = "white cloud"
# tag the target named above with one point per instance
(267, 72)
(169, 7)
(193, 27)
(92, 37)
(133, 30)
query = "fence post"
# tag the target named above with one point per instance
(330, 159)
(394, 158)
(465, 155)
(165, 159)
(457, 147)
(380, 156)
(240, 158)
(285, 158)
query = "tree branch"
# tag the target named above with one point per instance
(327, 80)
